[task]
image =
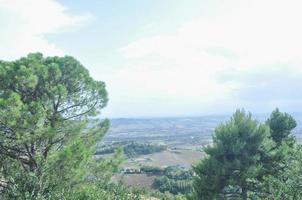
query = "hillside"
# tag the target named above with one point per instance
(191, 130)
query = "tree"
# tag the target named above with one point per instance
(287, 183)
(281, 125)
(233, 161)
(48, 129)
(282, 177)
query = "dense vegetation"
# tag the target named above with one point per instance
(152, 170)
(174, 180)
(132, 149)
(46, 146)
(250, 160)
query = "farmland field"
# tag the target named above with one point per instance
(166, 158)
(136, 180)
(183, 137)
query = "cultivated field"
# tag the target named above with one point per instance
(184, 158)
(136, 180)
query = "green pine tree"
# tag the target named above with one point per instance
(282, 174)
(49, 129)
(233, 161)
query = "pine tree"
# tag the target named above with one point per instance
(281, 126)
(49, 129)
(233, 161)
(282, 174)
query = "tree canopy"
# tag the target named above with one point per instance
(251, 160)
(48, 128)
(233, 160)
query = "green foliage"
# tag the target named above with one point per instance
(48, 130)
(108, 191)
(251, 160)
(132, 149)
(233, 162)
(275, 159)
(165, 196)
(165, 184)
(174, 180)
(281, 125)
(282, 164)
(152, 170)
(287, 183)
(178, 173)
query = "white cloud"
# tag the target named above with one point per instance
(23, 25)
(246, 37)
(256, 31)
(233, 57)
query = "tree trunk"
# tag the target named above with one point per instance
(244, 193)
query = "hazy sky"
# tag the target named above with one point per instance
(170, 57)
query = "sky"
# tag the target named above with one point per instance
(173, 57)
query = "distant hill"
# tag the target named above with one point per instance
(187, 129)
